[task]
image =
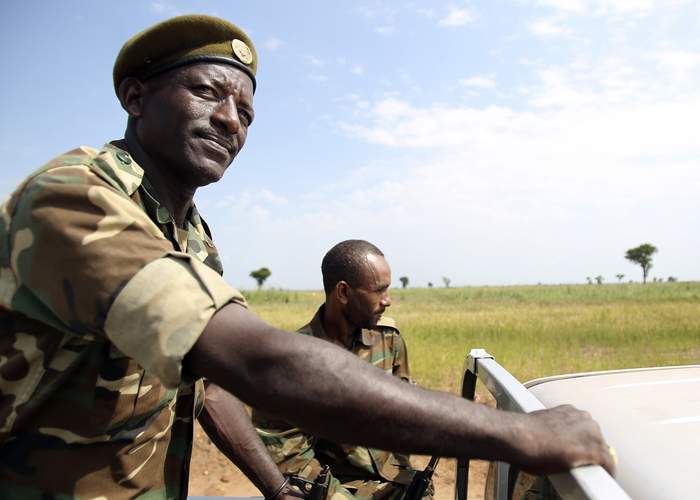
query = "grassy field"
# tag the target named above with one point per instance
(531, 330)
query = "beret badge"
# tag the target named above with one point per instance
(242, 51)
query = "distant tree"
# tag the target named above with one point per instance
(404, 281)
(590, 281)
(446, 281)
(260, 275)
(619, 277)
(642, 255)
(430, 284)
(599, 279)
(671, 279)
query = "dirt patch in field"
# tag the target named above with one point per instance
(211, 473)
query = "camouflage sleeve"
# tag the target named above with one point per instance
(160, 313)
(400, 364)
(291, 448)
(87, 260)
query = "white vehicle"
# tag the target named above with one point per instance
(650, 416)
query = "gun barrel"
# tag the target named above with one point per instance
(421, 481)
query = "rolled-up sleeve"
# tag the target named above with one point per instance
(161, 312)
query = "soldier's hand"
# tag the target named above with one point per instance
(290, 493)
(565, 437)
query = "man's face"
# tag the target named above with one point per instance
(367, 302)
(195, 119)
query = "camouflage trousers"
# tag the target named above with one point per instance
(368, 489)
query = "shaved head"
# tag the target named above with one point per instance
(347, 261)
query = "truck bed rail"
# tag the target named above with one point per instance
(590, 482)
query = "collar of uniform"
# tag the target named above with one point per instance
(194, 230)
(366, 337)
(315, 326)
(163, 215)
(120, 167)
(198, 224)
(154, 206)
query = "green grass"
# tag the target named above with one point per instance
(533, 331)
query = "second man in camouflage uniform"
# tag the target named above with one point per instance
(356, 280)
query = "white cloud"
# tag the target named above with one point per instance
(165, 8)
(357, 69)
(374, 11)
(313, 61)
(388, 15)
(272, 198)
(629, 6)
(272, 44)
(385, 30)
(353, 103)
(573, 6)
(479, 81)
(318, 77)
(548, 28)
(384, 16)
(623, 131)
(607, 7)
(428, 13)
(457, 17)
(679, 64)
(259, 202)
(597, 96)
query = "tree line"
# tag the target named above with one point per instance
(641, 255)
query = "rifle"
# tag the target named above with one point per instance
(421, 481)
(312, 490)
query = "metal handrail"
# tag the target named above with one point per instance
(589, 482)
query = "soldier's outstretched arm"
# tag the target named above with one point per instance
(334, 394)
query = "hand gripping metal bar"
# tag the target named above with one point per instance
(589, 482)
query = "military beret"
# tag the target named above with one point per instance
(185, 40)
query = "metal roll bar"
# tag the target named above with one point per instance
(590, 482)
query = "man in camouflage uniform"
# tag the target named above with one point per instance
(97, 264)
(356, 279)
(113, 310)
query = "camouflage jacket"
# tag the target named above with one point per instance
(101, 296)
(298, 452)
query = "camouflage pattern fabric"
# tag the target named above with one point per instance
(524, 486)
(101, 296)
(357, 472)
(529, 487)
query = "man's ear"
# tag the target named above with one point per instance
(342, 292)
(131, 96)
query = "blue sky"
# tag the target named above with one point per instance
(493, 142)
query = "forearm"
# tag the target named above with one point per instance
(228, 425)
(335, 395)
